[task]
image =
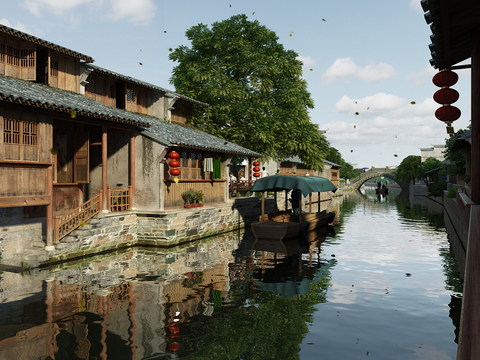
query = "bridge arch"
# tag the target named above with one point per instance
(374, 173)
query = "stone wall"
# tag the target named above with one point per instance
(457, 230)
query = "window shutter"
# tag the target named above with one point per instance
(81, 158)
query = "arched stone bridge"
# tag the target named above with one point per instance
(374, 173)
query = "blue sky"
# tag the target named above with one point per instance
(368, 57)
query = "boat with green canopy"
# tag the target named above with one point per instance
(289, 223)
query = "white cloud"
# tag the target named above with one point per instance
(306, 60)
(57, 7)
(346, 67)
(422, 76)
(415, 4)
(369, 106)
(139, 11)
(17, 26)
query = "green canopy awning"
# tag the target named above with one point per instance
(306, 185)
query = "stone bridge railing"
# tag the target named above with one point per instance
(373, 173)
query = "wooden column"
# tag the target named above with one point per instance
(275, 203)
(104, 169)
(300, 196)
(50, 227)
(132, 170)
(263, 205)
(475, 182)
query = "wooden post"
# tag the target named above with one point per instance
(100, 192)
(130, 197)
(300, 207)
(475, 94)
(132, 170)
(263, 205)
(55, 229)
(105, 206)
(51, 228)
(109, 198)
(275, 203)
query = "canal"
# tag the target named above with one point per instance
(381, 283)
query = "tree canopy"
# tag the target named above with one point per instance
(429, 164)
(458, 163)
(407, 170)
(254, 86)
(346, 171)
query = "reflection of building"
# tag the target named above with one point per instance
(130, 306)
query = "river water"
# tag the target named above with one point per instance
(381, 283)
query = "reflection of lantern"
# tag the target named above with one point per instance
(175, 172)
(256, 169)
(256, 174)
(446, 96)
(174, 163)
(256, 163)
(447, 113)
(173, 346)
(445, 78)
(173, 155)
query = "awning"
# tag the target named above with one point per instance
(306, 185)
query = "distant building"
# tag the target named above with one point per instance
(435, 151)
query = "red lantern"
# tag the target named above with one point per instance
(173, 155)
(173, 346)
(174, 163)
(256, 174)
(175, 172)
(447, 113)
(256, 163)
(256, 169)
(446, 96)
(445, 78)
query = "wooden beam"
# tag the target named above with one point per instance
(475, 116)
(263, 205)
(31, 200)
(104, 169)
(132, 168)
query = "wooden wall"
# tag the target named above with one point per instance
(64, 72)
(182, 111)
(213, 191)
(22, 181)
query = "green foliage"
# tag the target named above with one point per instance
(254, 86)
(437, 187)
(407, 169)
(346, 171)
(189, 196)
(457, 160)
(429, 164)
(452, 193)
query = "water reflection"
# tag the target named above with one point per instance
(376, 283)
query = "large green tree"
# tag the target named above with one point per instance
(254, 86)
(458, 163)
(429, 164)
(407, 169)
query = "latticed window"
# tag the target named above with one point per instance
(11, 131)
(112, 91)
(131, 95)
(54, 68)
(192, 166)
(91, 85)
(13, 55)
(100, 86)
(28, 58)
(2, 52)
(30, 133)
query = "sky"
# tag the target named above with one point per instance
(365, 62)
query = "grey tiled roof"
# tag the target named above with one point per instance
(331, 163)
(46, 97)
(175, 134)
(19, 34)
(142, 83)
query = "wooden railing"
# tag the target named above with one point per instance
(65, 224)
(119, 200)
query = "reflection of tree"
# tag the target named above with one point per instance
(260, 325)
(452, 281)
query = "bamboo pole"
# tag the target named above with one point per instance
(263, 205)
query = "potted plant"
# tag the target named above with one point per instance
(187, 197)
(199, 198)
(194, 198)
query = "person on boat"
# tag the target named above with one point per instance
(264, 173)
(295, 200)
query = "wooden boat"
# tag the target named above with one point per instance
(281, 225)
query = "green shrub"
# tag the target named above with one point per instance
(452, 193)
(437, 187)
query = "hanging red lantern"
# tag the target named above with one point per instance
(175, 171)
(173, 346)
(256, 169)
(447, 113)
(445, 78)
(256, 174)
(446, 96)
(173, 155)
(174, 163)
(256, 163)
